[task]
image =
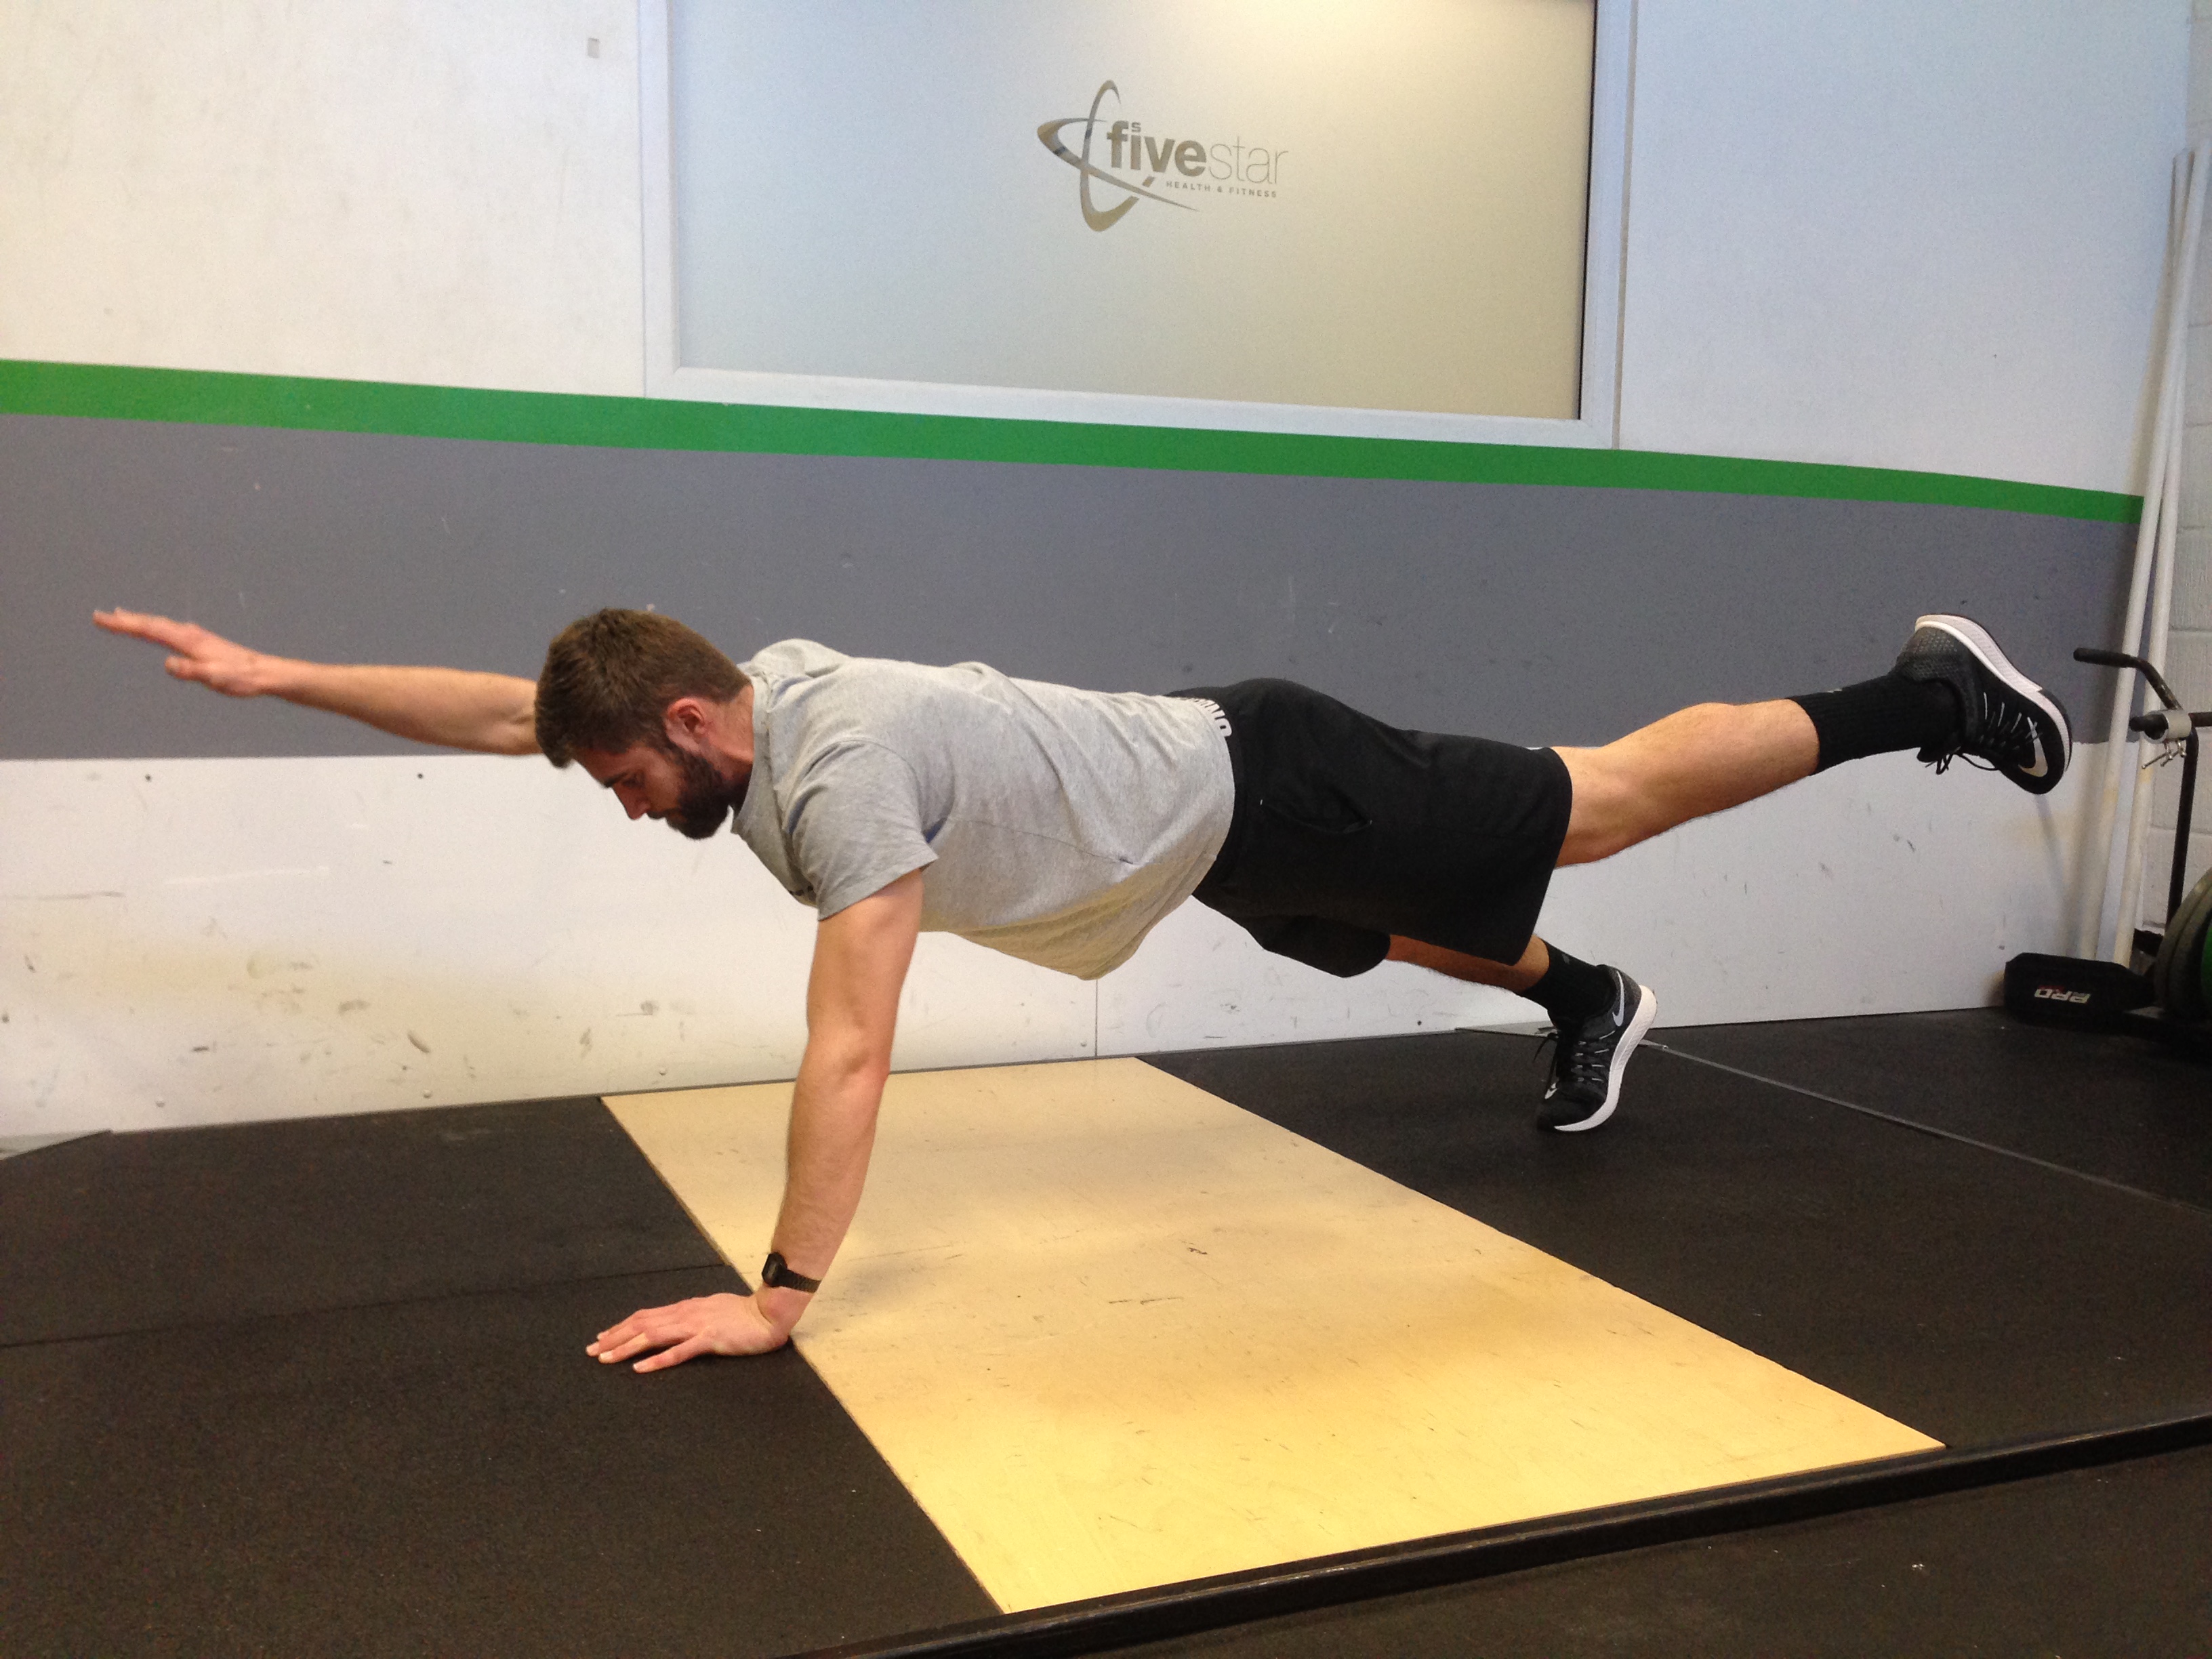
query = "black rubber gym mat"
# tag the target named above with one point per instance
(1977, 1297)
(2105, 1561)
(171, 1227)
(448, 1476)
(2120, 1108)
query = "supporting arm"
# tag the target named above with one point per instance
(860, 957)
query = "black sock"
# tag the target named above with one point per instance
(1875, 716)
(1572, 992)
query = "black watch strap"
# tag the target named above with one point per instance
(776, 1272)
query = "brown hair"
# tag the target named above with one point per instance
(609, 676)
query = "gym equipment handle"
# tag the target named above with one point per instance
(2090, 653)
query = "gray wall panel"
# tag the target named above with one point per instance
(1531, 614)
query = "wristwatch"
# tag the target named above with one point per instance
(776, 1272)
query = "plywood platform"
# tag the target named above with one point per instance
(1113, 1331)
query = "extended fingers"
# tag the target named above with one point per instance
(635, 1321)
(196, 651)
(625, 1338)
(676, 1356)
(614, 1351)
(649, 1328)
(143, 625)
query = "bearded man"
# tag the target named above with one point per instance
(1060, 825)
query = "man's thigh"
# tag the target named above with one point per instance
(1347, 831)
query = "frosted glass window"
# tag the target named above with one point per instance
(1368, 204)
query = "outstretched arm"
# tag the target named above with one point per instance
(860, 957)
(452, 706)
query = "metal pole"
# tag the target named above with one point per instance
(2161, 619)
(2161, 514)
(2100, 846)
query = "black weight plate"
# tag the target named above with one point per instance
(2163, 978)
(2189, 955)
(2204, 974)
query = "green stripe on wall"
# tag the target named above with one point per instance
(539, 418)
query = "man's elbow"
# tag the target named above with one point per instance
(850, 1061)
(519, 732)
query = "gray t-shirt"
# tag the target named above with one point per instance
(1056, 825)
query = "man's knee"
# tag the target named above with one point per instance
(1705, 759)
(1603, 815)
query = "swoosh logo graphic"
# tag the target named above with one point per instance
(2041, 766)
(1097, 218)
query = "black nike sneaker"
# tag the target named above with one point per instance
(1586, 1066)
(2006, 721)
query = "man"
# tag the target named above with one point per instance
(1060, 825)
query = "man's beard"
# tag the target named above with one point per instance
(706, 796)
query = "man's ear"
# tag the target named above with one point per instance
(685, 718)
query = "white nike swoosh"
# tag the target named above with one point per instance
(2041, 766)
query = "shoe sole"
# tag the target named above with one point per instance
(1647, 1010)
(1986, 651)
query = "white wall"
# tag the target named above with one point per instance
(214, 939)
(1893, 233)
(383, 189)
(2189, 646)
(197, 941)
(390, 190)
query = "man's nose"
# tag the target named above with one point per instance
(632, 803)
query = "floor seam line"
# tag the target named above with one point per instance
(1930, 1129)
(1170, 1612)
(347, 1307)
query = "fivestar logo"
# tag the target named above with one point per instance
(1186, 165)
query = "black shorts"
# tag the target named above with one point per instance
(1347, 831)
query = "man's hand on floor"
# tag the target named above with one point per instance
(724, 1323)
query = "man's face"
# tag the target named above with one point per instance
(670, 785)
